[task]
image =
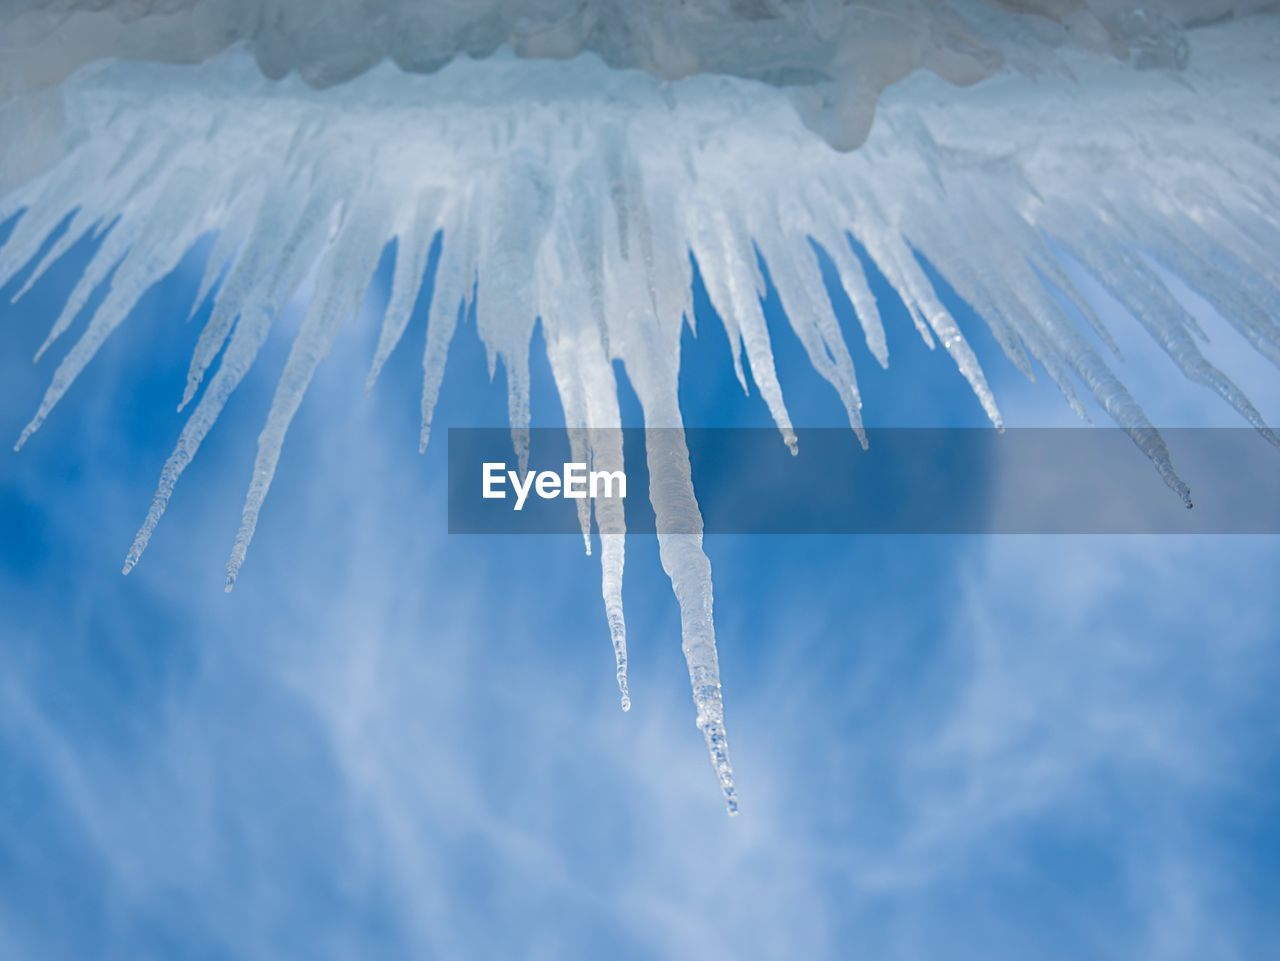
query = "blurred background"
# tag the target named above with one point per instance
(391, 742)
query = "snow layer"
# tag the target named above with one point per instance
(835, 56)
(583, 195)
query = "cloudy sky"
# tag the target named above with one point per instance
(390, 742)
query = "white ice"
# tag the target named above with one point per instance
(573, 193)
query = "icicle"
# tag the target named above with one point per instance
(679, 525)
(1003, 303)
(505, 312)
(808, 311)
(246, 340)
(973, 282)
(898, 263)
(853, 280)
(588, 392)
(81, 223)
(156, 251)
(347, 267)
(727, 264)
(453, 290)
(1229, 287)
(231, 237)
(414, 246)
(561, 305)
(686, 563)
(1148, 300)
(1110, 394)
(45, 203)
(109, 255)
(576, 265)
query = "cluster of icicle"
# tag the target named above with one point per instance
(583, 196)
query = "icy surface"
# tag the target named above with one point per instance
(574, 193)
(835, 56)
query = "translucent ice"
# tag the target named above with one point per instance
(569, 176)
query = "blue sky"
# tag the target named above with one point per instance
(393, 743)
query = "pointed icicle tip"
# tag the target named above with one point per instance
(189, 392)
(23, 438)
(1182, 490)
(135, 552)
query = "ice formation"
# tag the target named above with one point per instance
(576, 173)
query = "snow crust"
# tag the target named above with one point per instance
(834, 56)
